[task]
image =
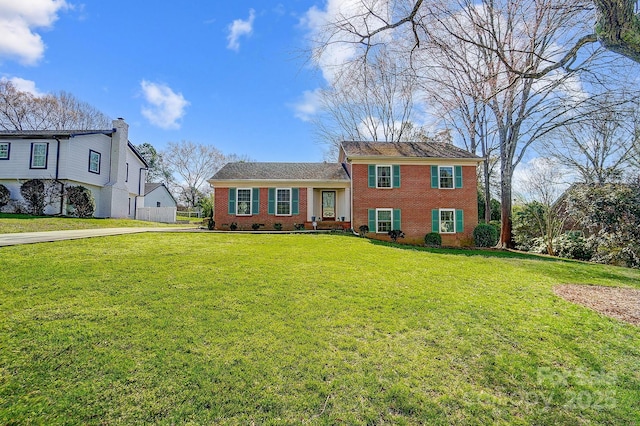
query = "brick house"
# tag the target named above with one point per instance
(418, 187)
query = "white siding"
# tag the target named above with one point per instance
(161, 195)
(17, 166)
(74, 159)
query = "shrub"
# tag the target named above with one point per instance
(299, 226)
(485, 235)
(4, 196)
(255, 226)
(395, 234)
(82, 201)
(34, 197)
(277, 226)
(433, 239)
(364, 230)
(233, 226)
(211, 224)
(572, 245)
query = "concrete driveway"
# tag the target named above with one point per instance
(42, 237)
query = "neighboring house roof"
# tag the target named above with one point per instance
(282, 171)
(361, 149)
(152, 186)
(51, 134)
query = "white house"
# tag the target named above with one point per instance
(103, 161)
(158, 195)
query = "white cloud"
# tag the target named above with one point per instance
(18, 21)
(23, 85)
(309, 105)
(240, 28)
(165, 107)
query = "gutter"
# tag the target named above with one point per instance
(57, 178)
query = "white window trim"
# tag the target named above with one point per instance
(453, 177)
(290, 201)
(8, 145)
(91, 152)
(250, 201)
(440, 221)
(33, 155)
(378, 222)
(390, 176)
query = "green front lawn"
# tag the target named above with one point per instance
(10, 223)
(315, 329)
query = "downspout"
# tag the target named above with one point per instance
(58, 176)
(135, 201)
(346, 169)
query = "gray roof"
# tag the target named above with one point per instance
(50, 134)
(354, 149)
(148, 187)
(281, 171)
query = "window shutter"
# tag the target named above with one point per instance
(459, 221)
(255, 201)
(396, 176)
(295, 203)
(396, 220)
(457, 172)
(372, 220)
(435, 220)
(434, 177)
(232, 201)
(272, 201)
(372, 175)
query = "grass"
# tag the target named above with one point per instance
(11, 223)
(316, 329)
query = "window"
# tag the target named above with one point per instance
(446, 176)
(94, 161)
(157, 203)
(243, 202)
(126, 178)
(384, 220)
(383, 176)
(283, 202)
(447, 221)
(39, 152)
(4, 150)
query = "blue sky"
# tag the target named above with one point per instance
(230, 74)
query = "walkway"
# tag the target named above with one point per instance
(42, 237)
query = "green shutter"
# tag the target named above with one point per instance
(396, 176)
(457, 172)
(434, 177)
(372, 220)
(396, 226)
(232, 201)
(272, 201)
(255, 202)
(435, 220)
(459, 221)
(295, 203)
(372, 175)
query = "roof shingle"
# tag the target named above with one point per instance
(354, 149)
(282, 171)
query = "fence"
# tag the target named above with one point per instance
(157, 214)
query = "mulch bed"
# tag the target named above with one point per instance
(615, 302)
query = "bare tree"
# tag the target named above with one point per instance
(192, 164)
(62, 111)
(374, 101)
(601, 147)
(543, 185)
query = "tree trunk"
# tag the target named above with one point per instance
(618, 28)
(487, 193)
(506, 236)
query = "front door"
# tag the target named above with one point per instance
(328, 205)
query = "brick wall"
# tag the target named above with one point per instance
(416, 199)
(223, 219)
